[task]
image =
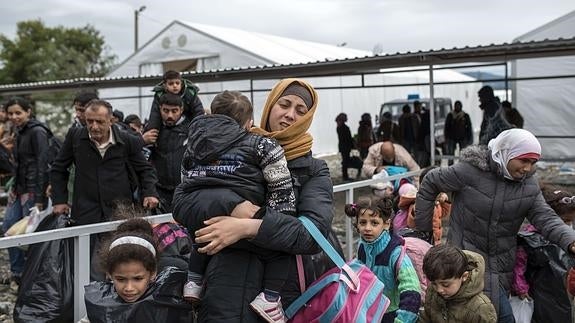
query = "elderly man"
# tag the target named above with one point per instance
(109, 167)
(387, 153)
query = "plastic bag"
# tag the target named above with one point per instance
(46, 291)
(36, 216)
(522, 309)
(18, 227)
(162, 302)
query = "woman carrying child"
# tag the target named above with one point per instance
(381, 250)
(286, 117)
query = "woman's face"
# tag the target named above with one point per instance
(18, 115)
(519, 167)
(131, 279)
(286, 111)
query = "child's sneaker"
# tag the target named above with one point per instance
(271, 311)
(192, 291)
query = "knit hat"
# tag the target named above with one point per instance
(408, 190)
(302, 92)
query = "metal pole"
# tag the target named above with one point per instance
(82, 273)
(348, 227)
(136, 30)
(431, 116)
(506, 82)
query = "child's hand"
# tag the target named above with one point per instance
(442, 197)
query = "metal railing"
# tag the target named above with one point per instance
(81, 237)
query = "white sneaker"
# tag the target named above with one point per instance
(192, 291)
(271, 311)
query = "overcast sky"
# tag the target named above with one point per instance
(397, 25)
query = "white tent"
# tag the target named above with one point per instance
(197, 47)
(548, 106)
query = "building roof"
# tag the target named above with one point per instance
(280, 50)
(373, 63)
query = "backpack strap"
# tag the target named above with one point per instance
(322, 242)
(300, 273)
(399, 261)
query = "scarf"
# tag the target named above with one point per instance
(295, 140)
(511, 144)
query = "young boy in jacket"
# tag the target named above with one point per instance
(174, 83)
(221, 152)
(455, 292)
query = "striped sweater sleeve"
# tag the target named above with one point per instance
(408, 288)
(280, 195)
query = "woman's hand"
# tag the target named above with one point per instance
(223, 231)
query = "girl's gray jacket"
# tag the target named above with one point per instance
(487, 212)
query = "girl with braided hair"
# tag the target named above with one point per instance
(381, 250)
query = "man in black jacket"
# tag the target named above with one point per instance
(108, 162)
(169, 148)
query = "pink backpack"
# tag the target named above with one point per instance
(349, 292)
(415, 249)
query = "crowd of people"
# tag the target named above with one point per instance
(236, 190)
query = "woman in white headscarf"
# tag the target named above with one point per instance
(493, 191)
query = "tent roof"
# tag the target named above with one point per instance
(280, 50)
(553, 23)
(491, 53)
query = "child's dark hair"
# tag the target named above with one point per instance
(560, 200)
(171, 99)
(424, 172)
(444, 262)
(172, 75)
(234, 105)
(383, 206)
(132, 240)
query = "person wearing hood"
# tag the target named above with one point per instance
(31, 179)
(223, 153)
(494, 121)
(287, 116)
(455, 291)
(493, 191)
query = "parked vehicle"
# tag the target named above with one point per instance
(442, 107)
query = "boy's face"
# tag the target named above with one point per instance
(173, 85)
(446, 288)
(370, 225)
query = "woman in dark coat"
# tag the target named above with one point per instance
(234, 275)
(345, 145)
(493, 192)
(365, 135)
(30, 171)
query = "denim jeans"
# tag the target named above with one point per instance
(16, 211)
(505, 314)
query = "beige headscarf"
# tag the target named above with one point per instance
(295, 140)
